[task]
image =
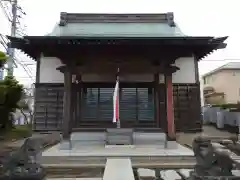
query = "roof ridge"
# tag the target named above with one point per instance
(116, 18)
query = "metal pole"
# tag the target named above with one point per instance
(118, 121)
(11, 51)
(118, 124)
(238, 133)
(1, 73)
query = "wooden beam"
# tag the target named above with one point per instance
(171, 132)
(67, 114)
(157, 100)
(124, 69)
(120, 53)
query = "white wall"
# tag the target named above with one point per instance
(49, 74)
(186, 74)
(201, 91)
(48, 71)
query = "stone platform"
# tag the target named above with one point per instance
(114, 136)
(147, 156)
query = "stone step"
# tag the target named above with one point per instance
(117, 169)
(60, 163)
(121, 140)
(74, 172)
(80, 144)
(119, 136)
(115, 136)
(140, 138)
(74, 178)
(185, 173)
(149, 174)
(88, 136)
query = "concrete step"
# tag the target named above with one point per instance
(149, 174)
(74, 172)
(88, 136)
(119, 136)
(115, 136)
(142, 138)
(82, 144)
(74, 162)
(82, 139)
(117, 169)
(92, 178)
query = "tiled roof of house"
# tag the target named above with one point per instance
(230, 65)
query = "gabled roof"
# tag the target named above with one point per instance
(158, 32)
(228, 66)
(121, 25)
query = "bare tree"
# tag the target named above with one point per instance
(25, 106)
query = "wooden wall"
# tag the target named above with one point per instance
(187, 107)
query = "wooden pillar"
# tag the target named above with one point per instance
(157, 100)
(67, 105)
(171, 133)
(79, 100)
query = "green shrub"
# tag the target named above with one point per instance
(21, 131)
(231, 106)
(234, 110)
(10, 94)
(216, 105)
(3, 59)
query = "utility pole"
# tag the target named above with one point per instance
(11, 52)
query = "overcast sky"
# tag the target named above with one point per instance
(194, 17)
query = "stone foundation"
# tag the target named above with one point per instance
(114, 137)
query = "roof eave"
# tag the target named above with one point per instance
(211, 43)
(217, 43)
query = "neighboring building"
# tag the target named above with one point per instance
(159, 80)
(222, 85)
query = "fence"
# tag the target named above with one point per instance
(220, 117)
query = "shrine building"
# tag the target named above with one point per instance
(157, 66)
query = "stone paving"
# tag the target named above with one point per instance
(185, 139)
(74, 179)
(96, 151)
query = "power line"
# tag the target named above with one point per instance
(16, 60)
(4, 43)
(16, 30)
(4, 11)
(11, 50)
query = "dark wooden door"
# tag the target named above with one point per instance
(94, 107)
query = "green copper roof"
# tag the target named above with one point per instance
(117, 29)
(117, 25)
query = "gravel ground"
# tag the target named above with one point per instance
(187, 138)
